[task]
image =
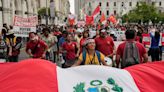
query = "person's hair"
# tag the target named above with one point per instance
(86, 31)
(157, 35)
(4, 31)
(46, 29)
(32, 33)
(130, 34)
(19, 38)
(65, 32)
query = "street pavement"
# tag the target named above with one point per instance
(23, 54)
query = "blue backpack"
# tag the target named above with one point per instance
(84, 57)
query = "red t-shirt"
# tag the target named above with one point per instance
(137, 39)
(39, 49)
(141, 48)
(57, 33)
(70, 48)
(105, 45)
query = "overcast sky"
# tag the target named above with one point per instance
(72, 8)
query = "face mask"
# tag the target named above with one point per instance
(32, 39)
(36, 37)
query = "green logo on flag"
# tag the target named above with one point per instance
(96, 86)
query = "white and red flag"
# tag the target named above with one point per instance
(113, 19)
(71, 19)
(89, 20)
(36, 75)
(103, 19)
(96, 12)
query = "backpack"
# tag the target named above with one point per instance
(130, 55)
(84, 57)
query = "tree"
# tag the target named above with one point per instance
(143, 12)
(42, 11)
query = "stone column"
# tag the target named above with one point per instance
(24, 8)
(6, 11)
(18, 7)
(12, 12)
(30, 8)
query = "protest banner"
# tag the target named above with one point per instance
(23, 26)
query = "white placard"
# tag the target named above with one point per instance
(23, 26)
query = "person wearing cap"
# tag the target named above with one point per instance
(90, 56)
(105, 44)
(11, 41)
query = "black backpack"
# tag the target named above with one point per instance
(130, 55)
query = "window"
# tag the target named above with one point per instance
(100, 12)
(89, 4)
(115, 12)
(100, 4)
(107, 4)
(130, 3)
(114, 3)
(107, 12)
(160, 4)
(122, 4)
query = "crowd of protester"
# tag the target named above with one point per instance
(82, 45)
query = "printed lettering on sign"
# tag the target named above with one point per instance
(23, 26)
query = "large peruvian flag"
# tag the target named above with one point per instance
(35, 75)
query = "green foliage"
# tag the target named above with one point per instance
(79, 87)
(143, 12)
(42, 11)
(115, 87)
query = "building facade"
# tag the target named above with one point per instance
(116, 7)
(10, 8)
(79, 5)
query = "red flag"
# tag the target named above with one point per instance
(103, 18)
(89, 20)
(96, 11)
(37, 75)
(71, 19)
(112, 19)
